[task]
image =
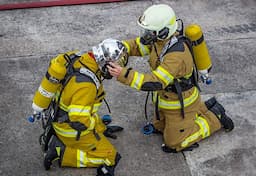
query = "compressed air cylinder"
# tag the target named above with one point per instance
(202, 58)
(50, 83)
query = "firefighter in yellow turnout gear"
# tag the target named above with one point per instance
(79, 139)
(180, 116)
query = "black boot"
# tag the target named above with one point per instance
(219, 111)
(105, 170)
(210, 102)
(55, 152)
(167, 149)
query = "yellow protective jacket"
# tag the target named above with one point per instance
(81, 100)
(175, 64)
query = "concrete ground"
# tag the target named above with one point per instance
(29, 38)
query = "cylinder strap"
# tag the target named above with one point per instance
(198, 42)
(52, 79)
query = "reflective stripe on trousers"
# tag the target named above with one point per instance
(204, 131)
(173, 105)
(72, 132)
(83, 160)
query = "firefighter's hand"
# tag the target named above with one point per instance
(114, 69)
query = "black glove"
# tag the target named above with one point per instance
(112, 129)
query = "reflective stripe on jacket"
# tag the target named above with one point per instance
(176, 64)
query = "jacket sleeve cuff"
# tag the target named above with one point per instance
(124, 75)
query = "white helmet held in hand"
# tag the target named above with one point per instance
(110, 50)
(159, 22)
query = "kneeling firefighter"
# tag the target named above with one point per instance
(180, 115)
(72, 88)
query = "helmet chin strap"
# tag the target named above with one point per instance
(158, 58)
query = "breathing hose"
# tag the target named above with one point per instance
(148, 128)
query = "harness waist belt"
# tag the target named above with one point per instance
(185, 85)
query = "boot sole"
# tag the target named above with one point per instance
(230, 126)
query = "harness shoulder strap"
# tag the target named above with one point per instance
(85, 71)
(195, 71)
(90, 74)
(179, 93)
(71, 71)
(184, 39)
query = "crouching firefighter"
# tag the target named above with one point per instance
(180, 115)
(72, 92)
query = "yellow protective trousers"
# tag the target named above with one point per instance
(179, 132)
(87, 151)
(91, 150)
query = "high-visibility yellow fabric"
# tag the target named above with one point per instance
(174, 65)
(83, 160)
(88, 152)
(81, 100)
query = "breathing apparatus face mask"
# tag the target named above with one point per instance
(105, 73)
(149, 37)
(109, 50)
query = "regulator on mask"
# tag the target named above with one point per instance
(149, 37)
(110, 50)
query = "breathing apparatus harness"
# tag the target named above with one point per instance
(71, 71)
(54, 114)
(181, 84)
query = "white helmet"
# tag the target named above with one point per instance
(110, 50)
(159, 20)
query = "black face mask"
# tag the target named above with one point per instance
(105, 72)
(149, 37)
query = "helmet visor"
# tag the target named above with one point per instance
(99, 55)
